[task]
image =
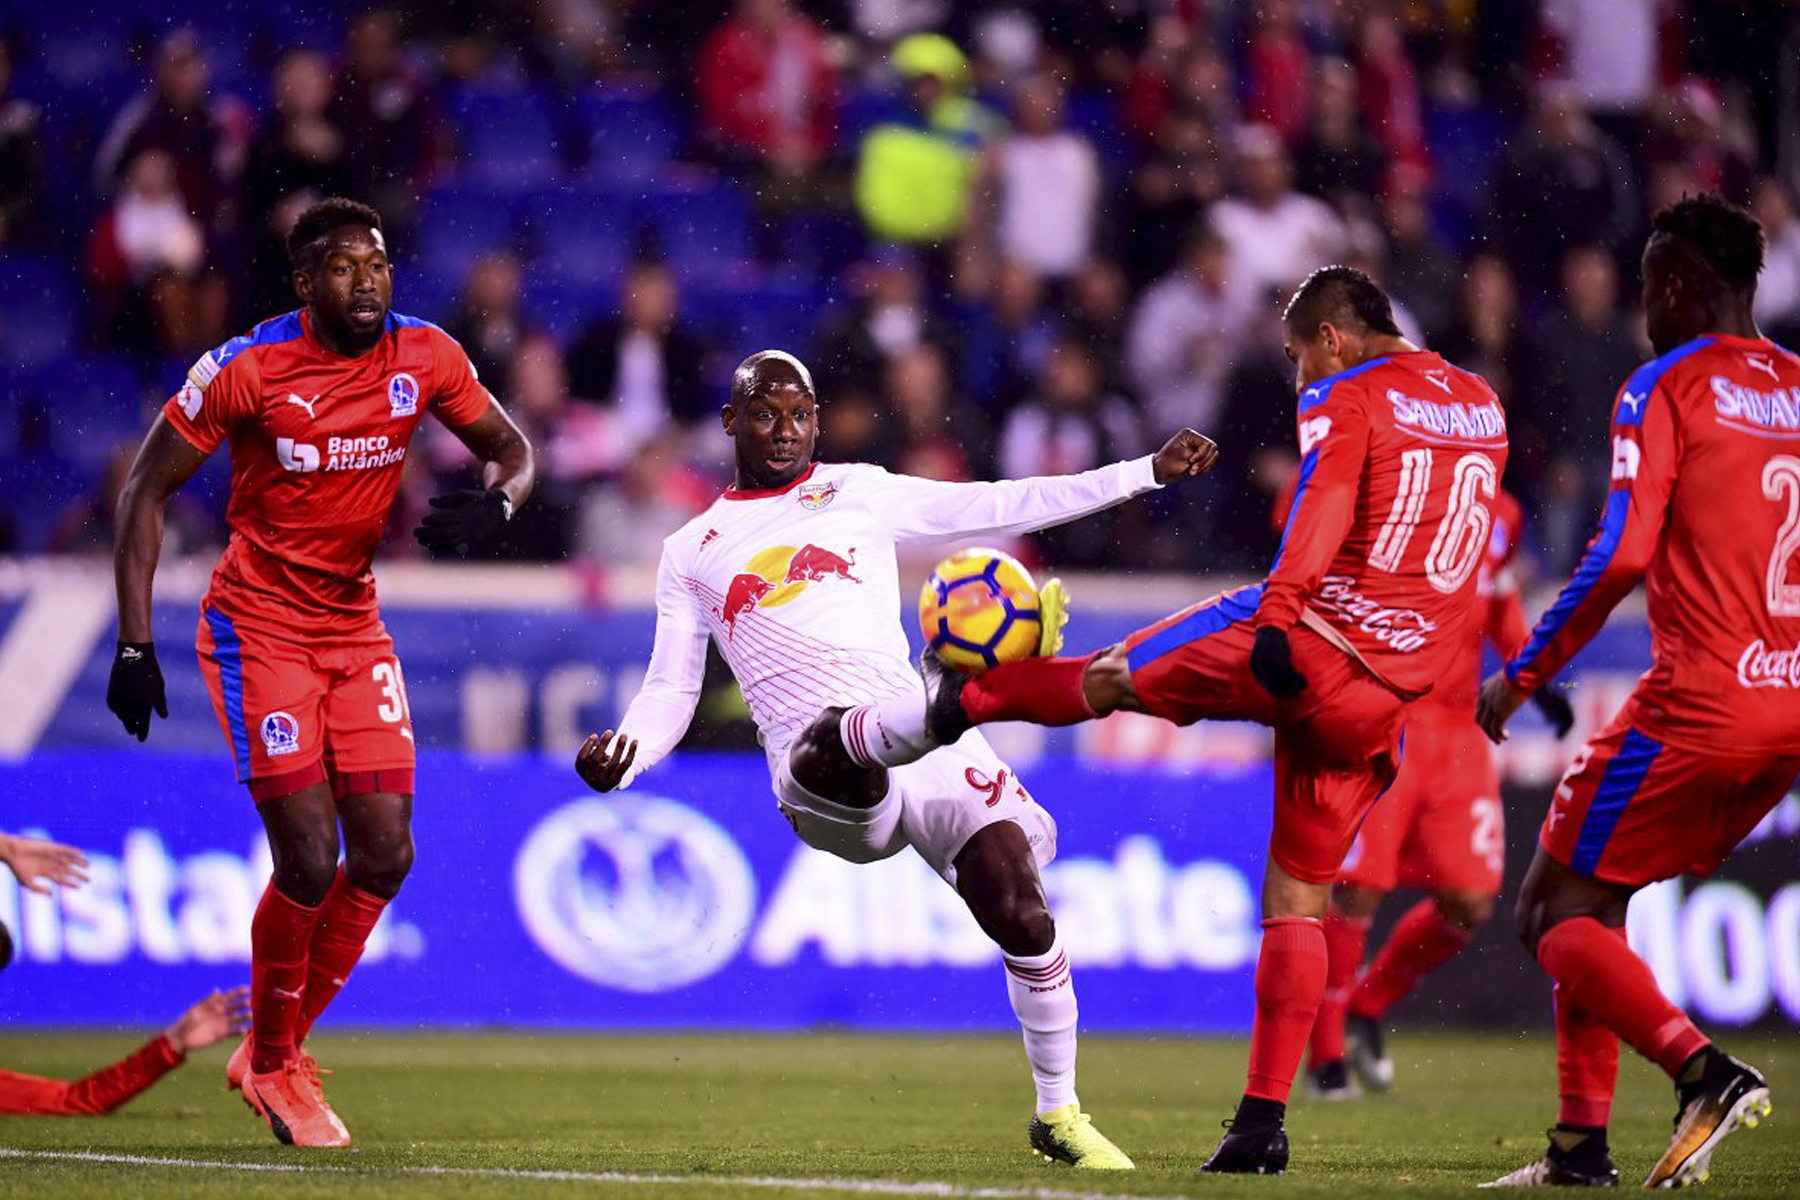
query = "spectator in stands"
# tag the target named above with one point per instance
(1388, 87)
(1276, 236)
(203, 139)
(300, 148)
(1278, 70)
(938, 437)
(624, 521)
(488, 320)
(643, 362)
(1007, 337)
(888, 313)
(86, 525)
(1256, 415)
(1485, 336)
(1607, 55)
(1337, 160)
(144, 263)
(1564, 183)
(21, 159)
(1778, 287)
(1690, 126)
(1184, 332)
(1420, 272)
(919, 170)
(1578, 352)
(384, 107)
(767, 90)
(1098, 311)
(1047, 184)
(1171, 193)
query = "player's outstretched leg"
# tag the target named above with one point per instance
(997, 877)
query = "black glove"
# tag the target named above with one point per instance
(1272, 662)
(464, 518)
(1556, 709)
(136, 687)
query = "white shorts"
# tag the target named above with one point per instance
(934, 805)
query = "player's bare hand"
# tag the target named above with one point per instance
(37, 864)
(218, 1016)
(604, 758)
(1499, 701)
(1183, 456)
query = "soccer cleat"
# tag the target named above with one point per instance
(945, 720)
(1331, 1081)
(1053, 615)
(1366, 1052)
(290, 1101)
(1730, 1095)
(236, 1068)
(1067, 1134)
(1547, 1172)
(1262, 1150)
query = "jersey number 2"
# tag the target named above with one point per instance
(1781, 481)
(1461, 535)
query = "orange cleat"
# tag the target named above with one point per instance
(238, 1066)
(291, 1101)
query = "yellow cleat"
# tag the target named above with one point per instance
(1067, 1134)
(1053, 614)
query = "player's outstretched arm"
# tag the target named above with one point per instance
(470, 516)
(1187, 455)
(164, 462)
(216, 1017)
(37, 864)
(604, 759)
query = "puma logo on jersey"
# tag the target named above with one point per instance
(306, 404)
(1763, 363)
(1632, 400)
(1439, 378)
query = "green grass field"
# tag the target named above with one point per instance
(824, 1115)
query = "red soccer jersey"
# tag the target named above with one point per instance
(1401, 460)
(1501, 621)
(1705, 500)
(318, 442)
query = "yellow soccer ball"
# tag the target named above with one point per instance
(980, 608)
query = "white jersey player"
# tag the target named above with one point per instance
(792, 574)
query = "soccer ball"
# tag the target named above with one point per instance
(980, 608)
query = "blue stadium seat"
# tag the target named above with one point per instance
(631, 133)
(94, 403)
(508, 137)
(562, 307)
(40, 310)
(820, 244)
(40, 486)
(702, 228)
(582, 237)
(1097, 116)
(456, 226)
(750, 312)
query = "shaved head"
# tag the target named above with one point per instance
(767, 370)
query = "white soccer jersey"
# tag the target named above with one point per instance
(800, 589)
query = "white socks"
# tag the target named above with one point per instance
(1043, 997)
(887, 733)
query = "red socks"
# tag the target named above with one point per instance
(346, 917)
(280, 934)
(1421, 942)
(1598, 974)
(1044, 691)
(1587, 1064)
(1345, 940)
(1290, 982)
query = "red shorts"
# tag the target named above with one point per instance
(1634, 810)
(303, 710)
(1336, 743)
(1440, 826)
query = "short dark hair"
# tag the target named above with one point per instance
(334, 212)
(766, 370)
(1719, 234)
(1343, 296)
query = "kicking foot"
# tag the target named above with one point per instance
(1366, 1052)
(1727, 1095)
(290, 1100)
(1249, 1150)
(1331, 1081)
(1067, 1135)
(1053, 615)
(945, 720)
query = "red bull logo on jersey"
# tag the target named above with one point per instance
(778, 575)
(814, 496)
(1756, 411)
(1468, 422)
(1760, 667)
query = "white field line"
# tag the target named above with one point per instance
(861, 1187)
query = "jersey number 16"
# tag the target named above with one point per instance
(1461, 535)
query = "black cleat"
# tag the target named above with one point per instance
(1725, 1095)
(1331, 1081)
(945, 720)
(1249, 1150)
(1366, 1051)
(1577, 1157)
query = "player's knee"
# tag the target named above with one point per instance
(381, 868)
(817, 750)
(1020, 923)
(1465, 910)
(1357, 903)
(303, 872)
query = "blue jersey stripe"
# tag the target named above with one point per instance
(1599, 554)
(1618, 784)
(1222, 613)
(1311, 398)
(399, 320)
(229, 652)
(285, 328)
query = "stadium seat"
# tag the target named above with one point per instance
(95, 402)
(701, 228)
(507, 137)
(581, 236)
(562, 307)
(40, 310)
(456, 226)
(818, 244)
(1097, 117)
(631, 133)
(750, 311)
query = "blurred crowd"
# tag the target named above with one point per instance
(1010, 238)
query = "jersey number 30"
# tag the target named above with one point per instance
(1463, 533)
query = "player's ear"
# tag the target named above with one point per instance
(728, 418)
(303, 286)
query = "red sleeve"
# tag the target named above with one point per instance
(457, 395)
(94, 1096)
(222, 389)
(1646, 450)
(1333, 422)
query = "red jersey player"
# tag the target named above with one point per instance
(1705, 506)
(1401, 455)
(1440, 827)
(319, 407)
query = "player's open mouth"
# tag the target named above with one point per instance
(365, 312)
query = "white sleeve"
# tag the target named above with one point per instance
(660, 713)
(923, 510)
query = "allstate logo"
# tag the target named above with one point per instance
(637, 893)
(403, 395)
